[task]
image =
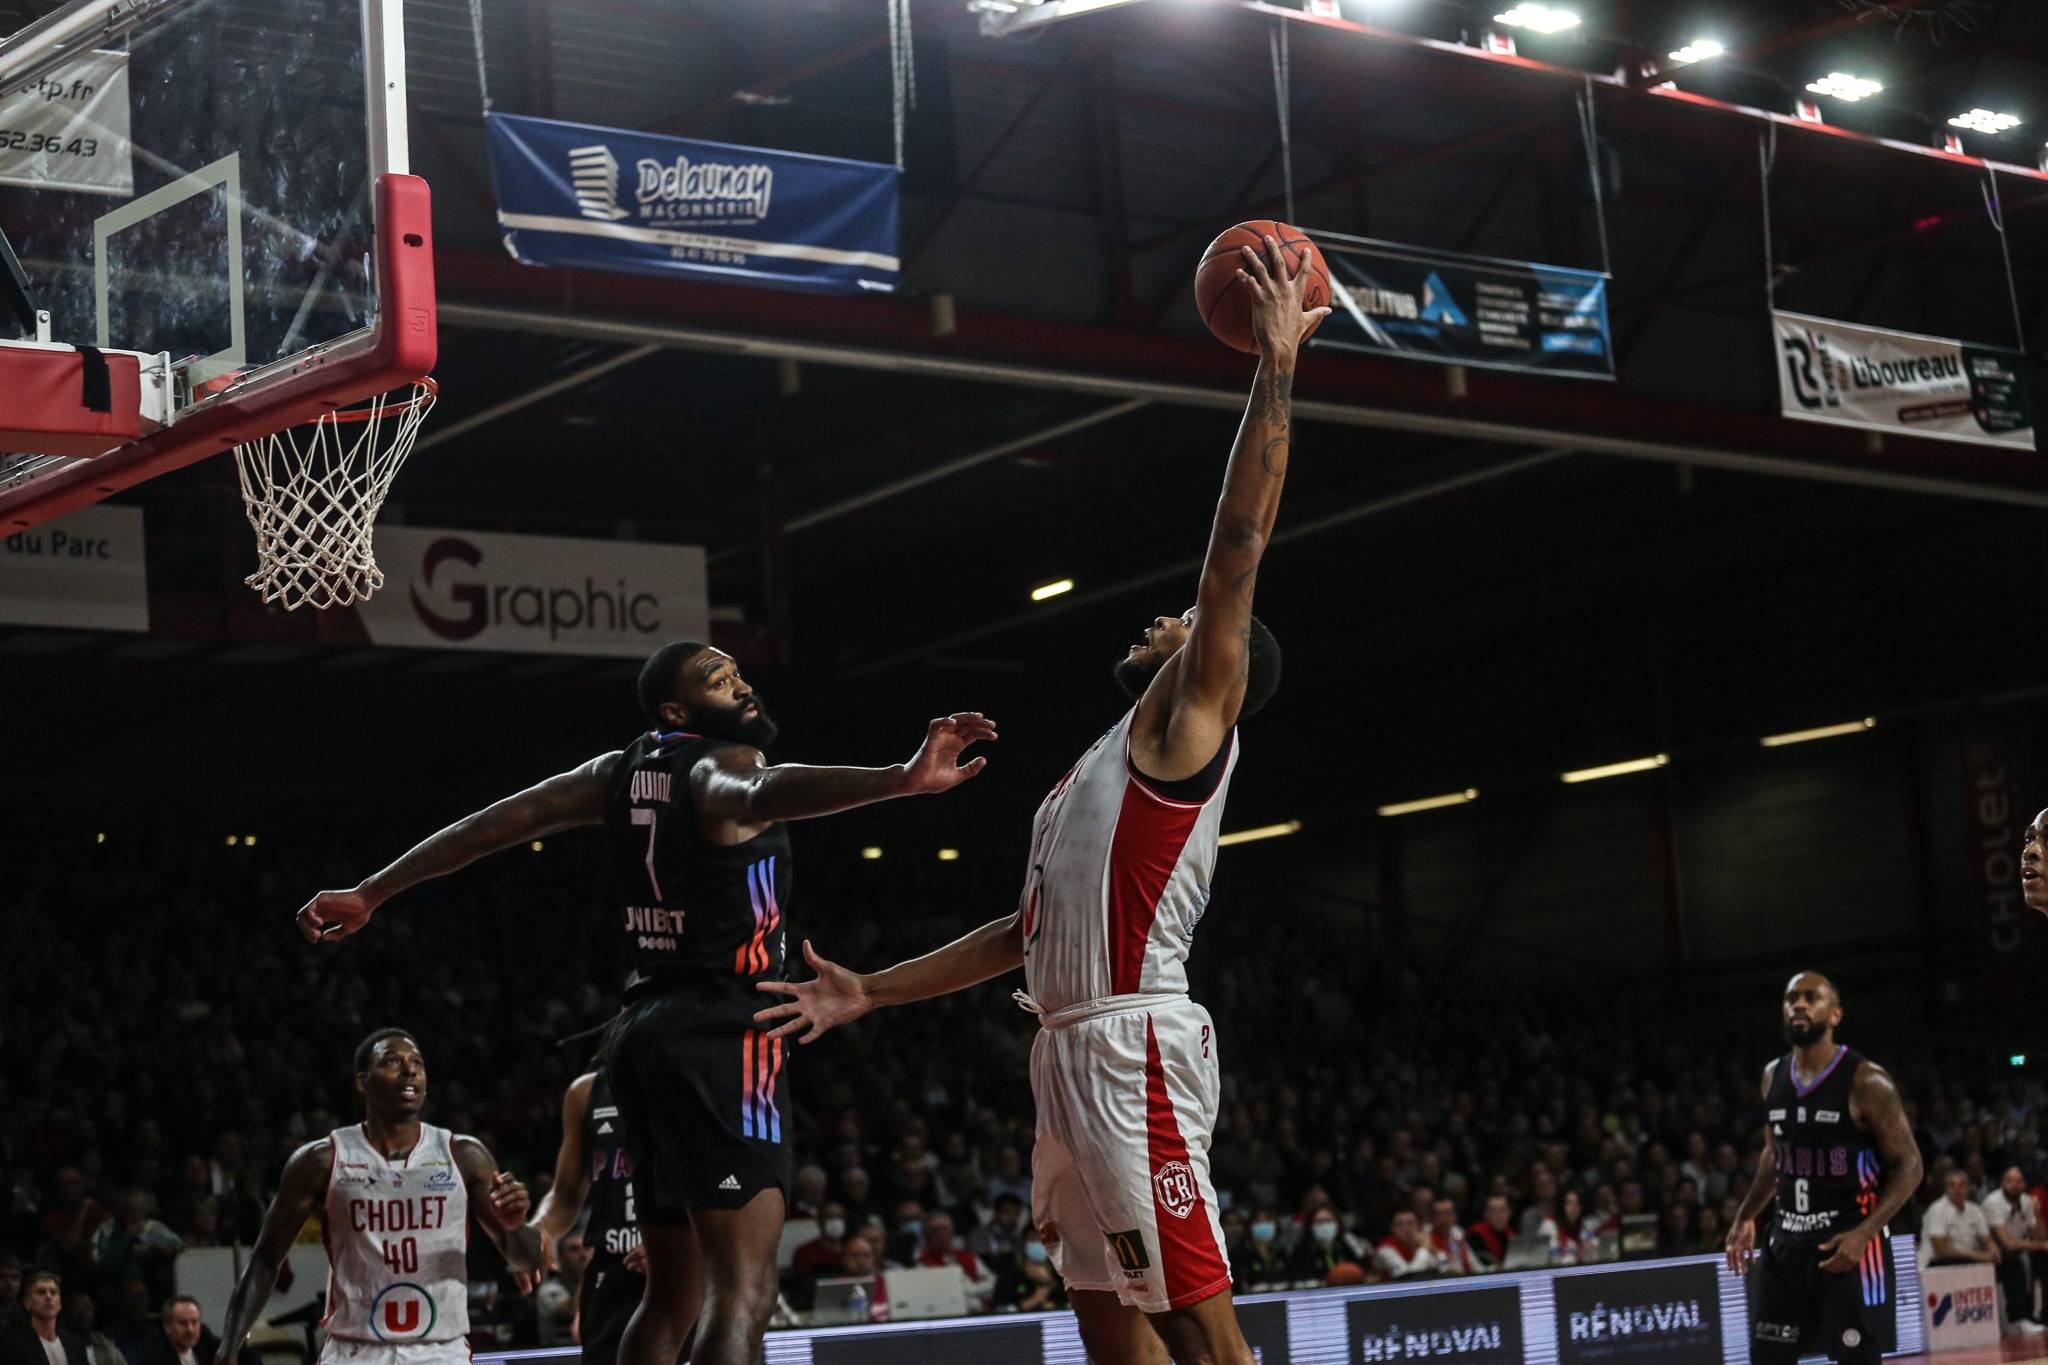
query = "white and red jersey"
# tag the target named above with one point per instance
(1119, 877)
(397, 1235)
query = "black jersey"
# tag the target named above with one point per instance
(689, 908)
(1828, 1168)
(611, 1229)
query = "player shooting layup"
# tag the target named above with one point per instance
(394, 1197)
(1845, 1161)
(1124, 1071)
(700, 860)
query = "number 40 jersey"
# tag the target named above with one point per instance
(397, 1235)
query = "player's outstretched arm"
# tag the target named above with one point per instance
(562, 802)
(1874, 1098)
(563, 1203)
(736, 783)
(499, 1204)
(838, 996)
(1194, 700)
(1763, 1188)
(299, 1190)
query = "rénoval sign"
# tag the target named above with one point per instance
(534, 594)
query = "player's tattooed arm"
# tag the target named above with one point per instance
(562, 802)
(1763, 1187)
(299, 1191)
(1874, 1100)
(499, 1204)
(837, 996)
(1195, 699)
(735, 783)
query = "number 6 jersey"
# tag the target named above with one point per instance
(397, 1235)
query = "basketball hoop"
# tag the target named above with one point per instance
(313, 493)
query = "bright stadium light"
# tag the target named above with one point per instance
(2019, 1059)
(1052, 589)
(1853, 727)
(949, 855)
(1698, 50)
(1431, 802)
(538, 845)
(1844, 87)
(1538, 18)
(871, 853)
(1634, 765)
(1247, 836)
(1984, 121)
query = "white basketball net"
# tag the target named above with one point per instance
(313, 493)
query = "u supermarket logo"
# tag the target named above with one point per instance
(403, 1312)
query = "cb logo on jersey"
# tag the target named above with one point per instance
(1174, 1184)
(402, 1312)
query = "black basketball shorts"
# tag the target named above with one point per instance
(610, 1294)
(703, 1100)
(1847, 1315)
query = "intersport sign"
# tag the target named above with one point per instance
(534, 594)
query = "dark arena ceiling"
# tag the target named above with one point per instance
(1477, 580)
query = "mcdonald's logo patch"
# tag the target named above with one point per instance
(1130, 1251)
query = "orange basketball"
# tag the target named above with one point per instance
(1345, 1273)
(1225, 307)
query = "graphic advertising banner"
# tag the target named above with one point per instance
(1265, 1330)
(1464, 310)
(1959, 1304)
(534, 594)
(1850, 376)
(570, 194)
(84, 571)
(1667, 1313)
(69, 131)
(1478, 1326)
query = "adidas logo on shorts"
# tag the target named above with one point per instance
(731, 1182)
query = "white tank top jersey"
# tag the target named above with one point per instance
(1118, 879)
(397, 1236)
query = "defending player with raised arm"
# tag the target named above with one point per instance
(395, 1197)
(1124, 1071)
(1840, 1159)
(700, 870)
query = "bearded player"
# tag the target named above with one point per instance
(395, 1198)
(1837, 1140)
(694, 819)
(1124, 1071)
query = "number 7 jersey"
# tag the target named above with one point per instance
(397, 1236)
(1119, 877)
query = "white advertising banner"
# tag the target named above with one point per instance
(1960, 1306)
(84, 571)
(534, 594)
(1850, 376)
(69, 131)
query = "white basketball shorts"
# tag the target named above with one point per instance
(1126, 1089)
(347, 1351)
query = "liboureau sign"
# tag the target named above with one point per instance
(1850, 376)
(534, 594)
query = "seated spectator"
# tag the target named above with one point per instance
(127, 1323)
(1009, 1177)
(555, 1298)
(184, 1339)
(821, 1257)
(78, 1314)
(996, 1241)
(1489, 1237)
(1541, 1215)
(1453, 1251)
(855, 1193)
(39, 1338)
(69, 1221)
(10, 1294)
(1565, 1235)
(1032, 1285)
(900, 1247)
(807, 1191)
(134, 1246)
(939, 1249)
(1264, 1261)
(1675, 1234)
(1954, 1231)
(1320, 1251)
(1712, 1232)
(859, 1261)
(1406, 1253)
(2016, 1228)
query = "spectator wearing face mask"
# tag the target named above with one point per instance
(1263, 1262)
(1320, 1250)
(824, 1254)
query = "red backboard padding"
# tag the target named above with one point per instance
(42, 403)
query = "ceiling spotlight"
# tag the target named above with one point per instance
(949, 855)
(1698, 50)
(1634, 765)
(1052, 589)
(1247, 836)
(1853, 727)
(871, 853)
(1844, 87)
(1539, 18)
(1984, 121)
(1431, 802)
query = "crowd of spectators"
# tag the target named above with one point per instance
(166, 1040)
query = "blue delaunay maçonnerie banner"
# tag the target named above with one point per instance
(571, 194)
